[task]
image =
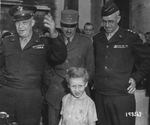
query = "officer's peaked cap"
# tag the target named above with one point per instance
(22, 12)
(69, 16)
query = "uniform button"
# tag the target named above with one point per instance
(107, 46)
(106, 67)
(66, 61)
(67, 70)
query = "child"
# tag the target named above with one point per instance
(77, 107)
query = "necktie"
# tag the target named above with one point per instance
(109, 36)
(67, 40)
(23, 43)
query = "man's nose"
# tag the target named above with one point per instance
(77, 89)
(107, 24)
(69, 29)
(20, 25)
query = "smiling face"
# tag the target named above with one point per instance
(110, 23)
(69, 31)
(77, 86)
(24, 28)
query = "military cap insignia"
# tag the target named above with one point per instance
(20, 8)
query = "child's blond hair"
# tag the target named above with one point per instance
(77, 72)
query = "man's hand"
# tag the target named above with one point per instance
(132, 88)
(50, 24)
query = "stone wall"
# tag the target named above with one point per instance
(140, 15)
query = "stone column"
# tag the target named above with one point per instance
(96, 6)
(140, 15)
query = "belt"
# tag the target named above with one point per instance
(22, 85)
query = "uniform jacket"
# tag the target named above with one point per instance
(79, 53)
(115, 59)
(24, 68)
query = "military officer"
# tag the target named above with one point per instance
(79, 53)
(115, 51)
(24, 55)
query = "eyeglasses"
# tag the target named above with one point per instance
(109, 22)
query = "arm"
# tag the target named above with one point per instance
(92, 115)
(93, 123)
(60, 122)
(57, 51)
(142, 53)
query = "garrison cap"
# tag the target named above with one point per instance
(22, 12)
(109, 8)
(69, 17)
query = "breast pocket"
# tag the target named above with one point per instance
(120, 58)
(37, 57)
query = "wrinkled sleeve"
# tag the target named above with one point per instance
(57, 52)
(142, 53)
(92, 115)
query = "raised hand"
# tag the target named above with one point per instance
(50, 24)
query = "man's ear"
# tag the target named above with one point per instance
(33, 22)
(68, 86)
(118, 19)
(86, 84)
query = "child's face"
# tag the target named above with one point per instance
(77, 86)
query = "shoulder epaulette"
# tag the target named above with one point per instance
(129, 30)
(42, 35)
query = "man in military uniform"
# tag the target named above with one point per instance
(23, 56)
(79, 54)
(115, 50)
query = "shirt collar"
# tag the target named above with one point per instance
(70, 38)
(111, 34)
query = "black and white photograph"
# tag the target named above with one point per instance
(74, 62)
